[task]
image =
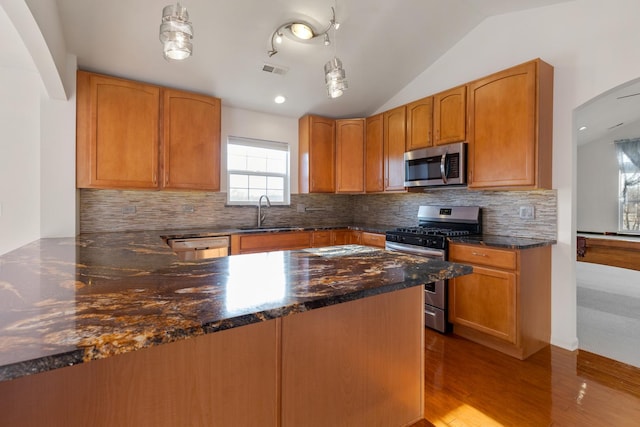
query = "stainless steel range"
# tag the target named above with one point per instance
(430, 239)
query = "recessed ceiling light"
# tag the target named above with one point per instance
(582, 128)
(280, 99)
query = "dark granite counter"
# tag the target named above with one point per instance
(503, 241)
(66, 301)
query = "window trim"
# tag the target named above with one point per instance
(259, 143)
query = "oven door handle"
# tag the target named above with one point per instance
(415, 250)
(443, 166)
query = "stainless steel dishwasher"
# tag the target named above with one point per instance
(193, 248)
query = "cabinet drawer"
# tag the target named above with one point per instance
(373, 239)
(265, 242)
(474, 254)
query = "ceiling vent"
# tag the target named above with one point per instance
(274, 69)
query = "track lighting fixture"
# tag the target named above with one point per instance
(302, 31)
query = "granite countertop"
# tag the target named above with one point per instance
(503, 241)
(66, 301)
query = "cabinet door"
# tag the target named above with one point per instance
(350, 156)
(340, 237)
(420, 124)
(191, 141)
(394, 148)
(321, 238)
(374, 153)
(316, 155)
(509, 134)
(117, 133)
(450, 115)
(485, 301)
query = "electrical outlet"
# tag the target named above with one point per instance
(527, 212)
(129, 210)
(188, 208)
(301, 208)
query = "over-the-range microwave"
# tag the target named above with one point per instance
(436, 166)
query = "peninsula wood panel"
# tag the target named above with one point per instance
(368, 370)
(350, 156)
(228, 378)
(191, 141)
(614, 252)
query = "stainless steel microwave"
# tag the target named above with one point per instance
(436, 166)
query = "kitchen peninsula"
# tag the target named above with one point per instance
(321, 336)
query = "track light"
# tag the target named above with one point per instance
(302, 31)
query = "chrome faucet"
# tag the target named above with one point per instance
(261, 216)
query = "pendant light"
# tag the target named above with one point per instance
(176, 32)
(334, 74)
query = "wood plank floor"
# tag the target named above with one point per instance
(471, 385)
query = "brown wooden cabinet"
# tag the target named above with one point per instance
(450, 115)
(394, 131)
(350, 155)
(316, 152)
(510, 128)
(118, 143)
(191, 141)
(374, 154)
(373, 239)
(506, 303)
(320, 238)
(266, 242)
(419, 124)
(117, 133)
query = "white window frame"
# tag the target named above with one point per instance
(273, 145)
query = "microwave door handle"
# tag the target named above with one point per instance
(443, 172)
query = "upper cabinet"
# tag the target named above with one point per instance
(118, 142)
(510, 128)
(117, 133)
(191, 141)
(450, 115)
(374, 154)
(394, 130)
(316, 152)
(419, 124)
(350, 156)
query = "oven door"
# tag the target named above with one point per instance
(435, 293)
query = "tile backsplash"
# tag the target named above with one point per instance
(121, 210)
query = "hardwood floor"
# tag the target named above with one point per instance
(471, 385)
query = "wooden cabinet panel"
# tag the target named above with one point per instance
(373, 239)
(118, 143)
(510, 128)
(394, 148)
(505, 303)
(316, 155)
(355, 238)
(369, 365)
(321, 238)
(419, 124)
(350, 156)
(374, 154)
(265, 242)
(485, 301)
(340, 237)
(450, 115)
(117, 133)
(191, 144)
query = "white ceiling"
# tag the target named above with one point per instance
(383, 44)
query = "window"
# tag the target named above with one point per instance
(629, 184)
(257, 167)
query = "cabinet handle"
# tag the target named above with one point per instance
(155, 178)
(478, 254)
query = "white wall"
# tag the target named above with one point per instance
(19, 158)
(250, 124)
(593, 46)
(597, 185)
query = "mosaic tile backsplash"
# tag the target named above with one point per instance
(119, 210)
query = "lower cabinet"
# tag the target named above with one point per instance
(506, 303)
(291, 240)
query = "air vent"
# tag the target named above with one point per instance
(274, 69)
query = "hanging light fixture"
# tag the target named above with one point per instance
(334, 75)
(176, 32)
